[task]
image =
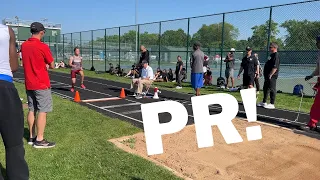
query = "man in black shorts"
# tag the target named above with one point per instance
(250, 67)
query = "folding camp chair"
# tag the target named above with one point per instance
(148, 87)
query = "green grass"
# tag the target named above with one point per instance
(283, 100)
(82, 150)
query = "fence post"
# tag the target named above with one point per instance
(269, 33)
(159, 44)
(57, 47)
(92, 68)
(119, 46)
(222, 43)
(187, 46)
(138, 47)
(63, 47)
(105, 49)
(71, 45)
(80, 44)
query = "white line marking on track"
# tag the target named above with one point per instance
(115, 113)
(131, 112)
(121, 105)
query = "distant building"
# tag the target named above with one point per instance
(21, 29)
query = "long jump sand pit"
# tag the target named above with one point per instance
(280, 154)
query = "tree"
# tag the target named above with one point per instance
(177, 38)
(301, 34)
(210, 36)
(259, 39)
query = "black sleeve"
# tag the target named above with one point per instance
(256, 62)
(241, 65)
(146, 57)
(276, 61)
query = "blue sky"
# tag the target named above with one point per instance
(82, 15)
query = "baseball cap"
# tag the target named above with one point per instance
(144, 62)
(36, 27)
(232, 50)
(248, 48)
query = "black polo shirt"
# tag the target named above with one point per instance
(249, 65)
(273, 62)
(144, 56)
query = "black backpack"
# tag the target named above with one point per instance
(220, 81)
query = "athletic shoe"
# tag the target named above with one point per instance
(134, 94)
(178, 87)
(309, 129)
(262, 104)
(269, 106)
(32, 140)
(82, 86)
(43, 144)
(139, 96)
(72, 89)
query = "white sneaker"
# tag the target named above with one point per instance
(139, 96)
(178, 87)
(269, 106)
(262, 104)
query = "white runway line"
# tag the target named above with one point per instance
(121, 105)
(131, 112)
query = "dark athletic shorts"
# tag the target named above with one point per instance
(74, 73)
(248, 80)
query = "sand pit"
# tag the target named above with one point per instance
(280, 154)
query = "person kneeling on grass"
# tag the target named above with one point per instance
(145, 79)
(76, 68)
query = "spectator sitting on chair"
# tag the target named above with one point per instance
(145, 79)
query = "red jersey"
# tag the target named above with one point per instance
(36, 55)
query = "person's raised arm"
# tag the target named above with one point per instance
(13, 56)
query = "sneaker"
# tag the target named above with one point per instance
(262, 104)
(134, 94)
(269, 106)
(72, 89)
(178, 87)
(309, 129)
(139, 96)
(32, 140)
(43, 144)
(82, 86)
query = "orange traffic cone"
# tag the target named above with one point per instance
(77, 97)
(122, 94)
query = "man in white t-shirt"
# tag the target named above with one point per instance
(146, 78)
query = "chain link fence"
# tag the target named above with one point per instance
(293, 27)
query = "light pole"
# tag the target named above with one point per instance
(136, 21)
(17, 18)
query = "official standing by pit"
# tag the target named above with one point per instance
(315, 109)
(250, 67)
(270, 73)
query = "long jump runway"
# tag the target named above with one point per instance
(129, 109)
